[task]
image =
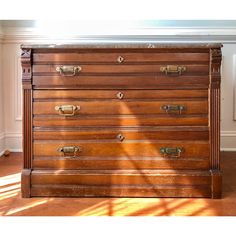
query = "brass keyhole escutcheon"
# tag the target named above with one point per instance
(120, 59)
(120, 137)
(120, 95)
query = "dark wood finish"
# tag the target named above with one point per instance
(112, 94)
(121, 81)
(120, 121)
(216, 182)
(172, 133)
(150, 183)
(128, 149)
(26, 183)
(120, 191)
(215, 79)
(121, 126)
(114, 163)
(131, 107)
(120, 177)
(109, 57)
(215, 108)
(191, 70)
(26, 61)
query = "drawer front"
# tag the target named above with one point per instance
(42, 95)
(137, 81)
(120, 121)
(120, 108)
(112, 134)
(190, 70)
(121, 70)
(120, 56)
(126, 163)
(120, 149)
(80, 108)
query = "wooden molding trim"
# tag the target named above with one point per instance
(215, 79)
(27, 107)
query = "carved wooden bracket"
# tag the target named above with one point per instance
(216, 58)
(26, 63)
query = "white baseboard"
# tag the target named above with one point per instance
(228, 149)
(13, 142)
(228, 141)
(2, 143)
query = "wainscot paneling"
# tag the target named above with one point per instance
(2, 136)
(11, 101)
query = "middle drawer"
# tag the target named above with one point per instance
(120, 108)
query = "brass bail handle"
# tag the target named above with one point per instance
(69, 150)
(173, 69)
(173, 108)
(67, 110)
(68, 70)
(172, 152)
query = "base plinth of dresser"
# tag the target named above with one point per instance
(123, 183)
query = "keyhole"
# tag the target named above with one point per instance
(120, 59)
(120, 95)
(120, 137)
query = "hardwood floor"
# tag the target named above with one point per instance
(11, 203)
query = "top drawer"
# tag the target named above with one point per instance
(119, 57)
(121, 69)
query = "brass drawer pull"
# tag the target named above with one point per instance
(120, 95)
(173, 69)
(173, 108)
(172, 152)
(68, 70)
(69, 150)
(67, 110)
(120, 59)
(120, 137)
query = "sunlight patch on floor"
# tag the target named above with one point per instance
(9, 179)
(9, 188)
(18, 209)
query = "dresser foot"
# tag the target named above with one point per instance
(25, 183)
(216, 183)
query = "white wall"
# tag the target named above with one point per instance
(228, 98)
(12, 97)
(13, 37)
(2, 140)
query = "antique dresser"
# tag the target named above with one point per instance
(121, 120)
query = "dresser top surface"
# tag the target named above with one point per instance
(97, 45)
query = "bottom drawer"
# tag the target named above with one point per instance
(122, 183)
(135, 155)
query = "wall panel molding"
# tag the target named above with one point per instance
(13, 37)
(139, 34)
(234, 80)
(18, 89)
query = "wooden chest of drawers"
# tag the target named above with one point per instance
(123, 120)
